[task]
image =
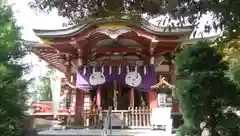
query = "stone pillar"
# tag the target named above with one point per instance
(79, 107)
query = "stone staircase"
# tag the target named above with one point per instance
(98, 132)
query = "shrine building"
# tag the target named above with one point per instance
(114, 63)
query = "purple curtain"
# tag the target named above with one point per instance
(148, 76)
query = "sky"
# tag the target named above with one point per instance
(30, 19)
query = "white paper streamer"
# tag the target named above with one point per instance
(110, 70)
(84, 70)
(119, 70)
(102, 69)
(128, 69)
(135, 69)
(145, 70)
(93, 70)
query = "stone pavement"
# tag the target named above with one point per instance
(98, 132)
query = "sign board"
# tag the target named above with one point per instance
(117, 119)
(161, 117)
(161, 113)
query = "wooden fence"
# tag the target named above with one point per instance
(139, 117)
(134, 117)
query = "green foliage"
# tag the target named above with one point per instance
(188, 131)
(234, 73)
(45, 87)
(189, 62)
(185, 11)
(12, 87)
(208, 95)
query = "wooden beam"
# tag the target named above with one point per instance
(50, 63)
(117, 50)
(45, 49)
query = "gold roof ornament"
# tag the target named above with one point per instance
(162, 84)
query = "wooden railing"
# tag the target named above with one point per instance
(139, 117)
(134, 117)
(45, 108)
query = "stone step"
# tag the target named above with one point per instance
(98, 132)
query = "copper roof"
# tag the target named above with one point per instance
(144, 24)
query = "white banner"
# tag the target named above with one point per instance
(55, 81)
(161, 116)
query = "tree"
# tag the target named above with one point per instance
(230, 49)
(225, 13)
(207, 96)
(12, 88)
(45, 87)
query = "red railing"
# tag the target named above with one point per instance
(46, 108)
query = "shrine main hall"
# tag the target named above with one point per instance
(115, 63)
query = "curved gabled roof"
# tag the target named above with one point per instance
(144, 24)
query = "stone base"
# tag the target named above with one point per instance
(98, 132)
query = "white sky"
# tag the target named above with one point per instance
(29, 19)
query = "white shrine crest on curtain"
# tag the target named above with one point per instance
(133, 79)
(97, 78)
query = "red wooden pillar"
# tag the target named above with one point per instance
(98, 98)
(175, 108)
(132, 97)
(79, 107)
(152, 97)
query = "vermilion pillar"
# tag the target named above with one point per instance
(79, 107)
(152, 97)
(132, 97)
(98, 98)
